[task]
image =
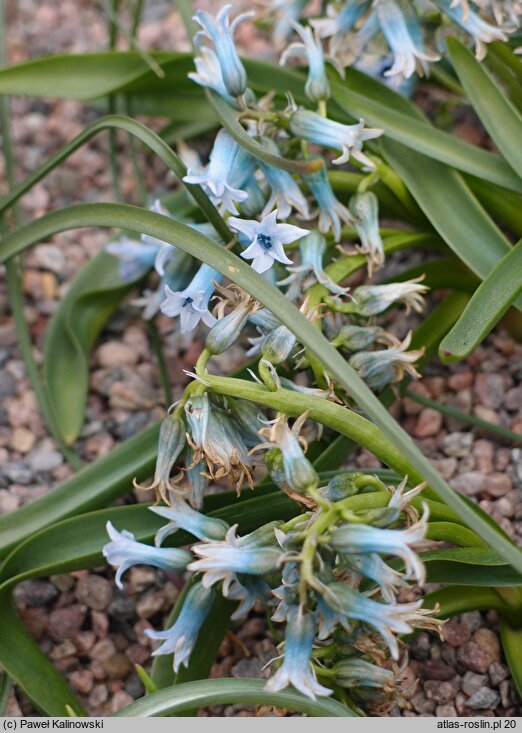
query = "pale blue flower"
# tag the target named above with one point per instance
(386, 618)
(372, 566)
(198, 480)
(208, 74)
(171, 442)
(180, 638)
(191, 304)
(355, 672)
(400, 24)
(225, 560)
(267, 238)
(357, 539)
(296, 669)
(248, 589)
(348, 139)
(371, 300)
(317, 87)
(221, 31)
(285, 12)
(365, 209)
(285, 193)
(216, 178)
(135, 257)
(182, 516)
(123, 551)
(312, 249)
(480, 30)
(342, 21)
(331, 211)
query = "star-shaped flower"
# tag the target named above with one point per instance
(267, 238)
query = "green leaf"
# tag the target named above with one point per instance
(458, 599)
(452, 209)
(191, 695)
(454, 533)
(512, 644)
(478, 566)
(505, 206)
(92, 297)
(485, 309)
(191, 241)
(498, 115)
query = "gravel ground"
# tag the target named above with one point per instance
(92, 631)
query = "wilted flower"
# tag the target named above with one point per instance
(321, 131)
(216, 178)
(180, 638)
(370, 300)
(296, 669)
(171, 442)
(365, 209)
(221, 32)
(182, 516)
(267, 239)
(227, 330)
(331, 211)
(387, 366)
(191, 304)
(123, 551)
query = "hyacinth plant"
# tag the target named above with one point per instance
(253, 250)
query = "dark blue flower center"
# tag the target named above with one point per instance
(265, 241)
(187, 301)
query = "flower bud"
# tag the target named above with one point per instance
(278, 345)
(227, 330)
(340, 487)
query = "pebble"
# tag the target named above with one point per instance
(117, 666)
(470, 483)
(63, 622)
(483, 698)
(488, 641)
(471, 682)
(98, 696)
(434, 669)
(122, 607)
(497, 673)
(82, 681)
(441, 692)
(429, 423)
(102, 650)
(473, 657)
(18, 472)
(456, 633)
(42, 458)
(35, 593)
(457, 444)
(248, 667)
(445, 711)
(120, 700)
(22, 440)
(8, 385)
(498, 484)
(150, 604)
(94, 591)
(116, 354)
(489, 389)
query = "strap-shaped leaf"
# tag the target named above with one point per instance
(511, 636)
(193, 695)
(182, 236)
(469, 566)
(485, 309)
(498, 115)
(456, 599)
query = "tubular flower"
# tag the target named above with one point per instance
(365, 210)
(180, 638)
(338, 23)
(221, 31)
(373, 567)
(380, 368)
(285, 194)
(171, 442)
(216, 178)
(370, 300)
(285, 12)
(191, 304)
(182, 516)
(267, 238)
(331, 211)
(228, 561)
(296, 669)
(197, 480)
(317, 87)
(136, 258)
(481, 31)
(346, 138)
(312, 249)
(123, 551)
(208, 74)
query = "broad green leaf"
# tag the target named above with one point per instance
(454, 533)
(6, 684)
(505, 206)
(498, 115)
(446, 274)
(193, 242)
(191, 695)
(92, 297)
(511, 637)
(469, 566)
(485, 309)
(456, 599)
(452, 209)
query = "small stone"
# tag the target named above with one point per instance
(497, 673)
(100, 623)
(489, 642)
(457, 444)
(44, 459)
(513, 399)
(8, 502)
(63, 582)
(420, 646)
(487, 414)
(82, 680)
(63, 622)
(134, 687)
(483, 698)
(421, 704)
(133, 394)
(456, 634)
(471, 682)
(445, 711)
(483, 453)
(505, 693)
(489, 388)
(117, 666)
(65, 649)
(435, 669)
(248, 667)
(102, 650)
(94, 591)
(461, 380)
(18, 472)
(507, 505)
(137, 654)
(120, 700)
(447, 467)
(50, 257)
(115, 354)
(98, 696)
(8, 385)
(150, 604)
(429, 423)
(498, 484)
(471, 656)
(140, 578)
(35, 593)
(84, 641)
(22, 440)
(441, 692)
(470, 483)
(473, 619)
(122, 608)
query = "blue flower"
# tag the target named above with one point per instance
(340, 22)
(226, 560)
(220, 31)
(191, 304)
(171, 442)
(135, 257)
(380, 368)
(331, 211)
(285, 13)
(312, 249)
(198, 480)
(296, 669)
(267, 238)
(181, 637)
(208, 74)
(123, 551)
(480, 30)
(370, 300)
(400, 24)
(247, 589)
(216, 179)
(365, 209)
(357, 539)
(317, 87)
(285, 193)
(182, 516)
(372, 566)
(348, 139)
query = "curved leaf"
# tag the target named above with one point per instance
(512, 645)
(187, 239)
(191, 695)
(485, 309)
(478, 566)
(498, 115)
(458, 599)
